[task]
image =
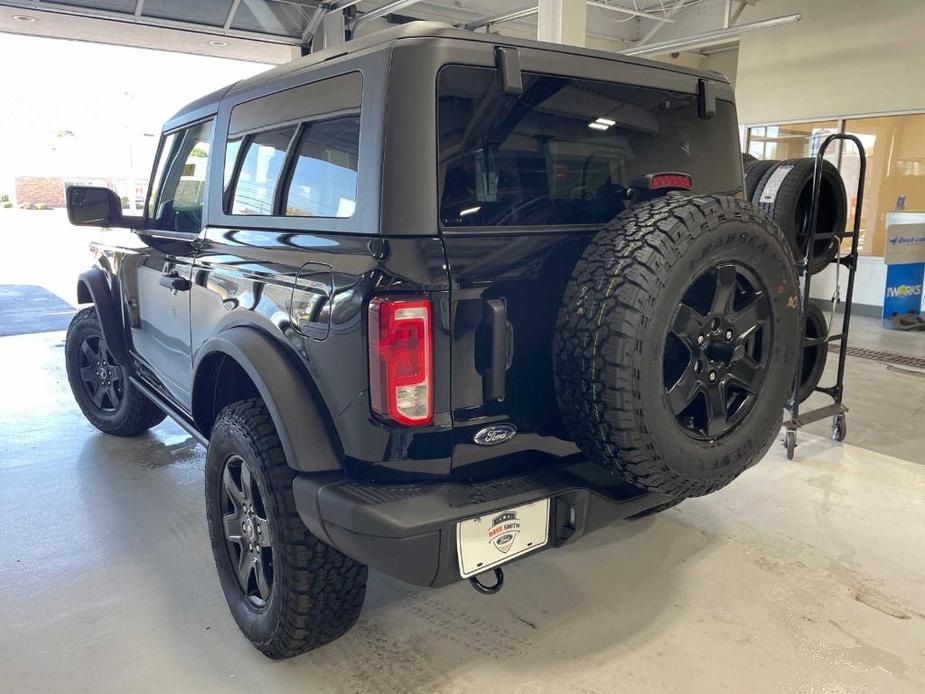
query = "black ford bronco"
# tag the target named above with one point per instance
(436, 301)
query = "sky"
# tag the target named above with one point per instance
(77, 109)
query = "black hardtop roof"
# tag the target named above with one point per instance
(384, 39)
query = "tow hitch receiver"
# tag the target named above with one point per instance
(492, 589)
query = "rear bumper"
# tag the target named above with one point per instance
(409, 530)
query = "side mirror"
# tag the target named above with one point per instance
(92, 206)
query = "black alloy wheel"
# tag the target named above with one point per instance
(716, 351)
(102, 378)
(247, 531)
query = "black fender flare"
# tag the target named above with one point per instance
(307, 442)
(92, 286)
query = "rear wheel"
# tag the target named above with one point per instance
(288, 591)
(676, 343)
(100, 385)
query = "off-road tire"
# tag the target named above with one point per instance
(790, 207)
(135, 413)
(317, 592)
(754, 172)
(814, 357)
(613, 324)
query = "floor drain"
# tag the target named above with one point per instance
(884, 357)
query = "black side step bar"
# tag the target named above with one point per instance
(169, 408)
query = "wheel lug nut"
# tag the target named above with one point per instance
(728, 335)
(712, 376)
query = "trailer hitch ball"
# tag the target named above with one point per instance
(492, 589)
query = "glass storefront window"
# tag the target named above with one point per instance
(895, 178)
(792, 141)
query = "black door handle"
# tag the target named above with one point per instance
(174, 282)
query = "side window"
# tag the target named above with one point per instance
(260, 171)
(294, 152)
(324, 176)
(179, 186)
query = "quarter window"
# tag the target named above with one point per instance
(178, 189)
(324, 175)
(261, 170)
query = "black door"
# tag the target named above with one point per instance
(157, 287)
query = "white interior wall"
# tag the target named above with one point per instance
(843, 57)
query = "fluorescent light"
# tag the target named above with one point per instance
(470, 210)
(598, 126)
(606, 121)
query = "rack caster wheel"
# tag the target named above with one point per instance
(839, 427)
(790, 442)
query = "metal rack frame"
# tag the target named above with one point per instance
(837, 409)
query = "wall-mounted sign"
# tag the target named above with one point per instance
(905, 238)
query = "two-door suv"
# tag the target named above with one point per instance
(435, 301)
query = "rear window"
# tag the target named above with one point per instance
(565, 151)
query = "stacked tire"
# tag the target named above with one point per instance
(814, 355)
(784, 191)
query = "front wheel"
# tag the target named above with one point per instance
(288, 591)
(100, 385)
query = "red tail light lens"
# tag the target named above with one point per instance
(400, 359)
(676, 181)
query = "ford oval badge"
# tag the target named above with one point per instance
(495, 434)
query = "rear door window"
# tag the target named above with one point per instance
(566, 150)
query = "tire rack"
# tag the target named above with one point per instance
(837, 409)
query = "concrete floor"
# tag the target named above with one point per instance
(803, 576)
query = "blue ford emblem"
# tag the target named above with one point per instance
(495, 434)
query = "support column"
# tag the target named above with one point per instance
(562, 21)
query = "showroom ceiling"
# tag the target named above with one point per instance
(295, 21)
(249, 29)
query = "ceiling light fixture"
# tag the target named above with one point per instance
(216, 42)
(23, 18)
(598, 126)
(606, 121)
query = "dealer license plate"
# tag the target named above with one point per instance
(487, 541)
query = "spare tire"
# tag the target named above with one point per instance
(754, 172)
(676, 343)
(814, 356)
(785, 193)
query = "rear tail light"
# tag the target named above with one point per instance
(670, 181)
(400, 359)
